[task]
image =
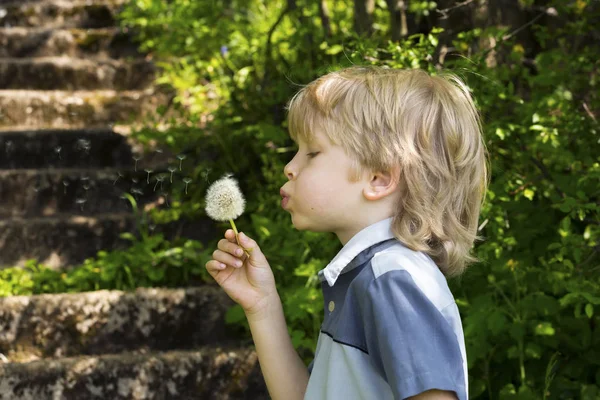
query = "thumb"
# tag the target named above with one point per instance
(256, 257)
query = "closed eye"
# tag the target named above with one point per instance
(312, 155)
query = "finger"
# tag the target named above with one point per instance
(214, 267)
(230, 235)
(227, 258)
(230, 247)
(246, 243)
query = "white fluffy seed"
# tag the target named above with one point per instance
(224, 199)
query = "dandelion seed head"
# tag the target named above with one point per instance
(224, 199)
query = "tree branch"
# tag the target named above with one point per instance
(325, 20)
(445, 11)
(291, 4)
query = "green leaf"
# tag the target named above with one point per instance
(589, 310)
(528, 193)
(544, 329)
(235, 314)
(128, 236)
(297, 337)
(497, 322)
(156, 273)
(533, 350)
(335, 49)
(537, 127)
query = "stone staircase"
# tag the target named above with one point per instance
(71, 82)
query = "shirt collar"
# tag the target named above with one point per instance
(367, 237)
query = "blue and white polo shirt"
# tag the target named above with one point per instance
(392, 327)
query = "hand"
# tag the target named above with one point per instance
(247, 280)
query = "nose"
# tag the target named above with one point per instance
(287, 170)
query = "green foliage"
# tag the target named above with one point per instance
(153, 262)
(531, 304)
(530, 307)
(150, 261)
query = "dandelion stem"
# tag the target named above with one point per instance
(237, 237)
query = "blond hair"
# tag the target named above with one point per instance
(427, 125)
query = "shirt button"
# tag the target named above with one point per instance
(331, 306)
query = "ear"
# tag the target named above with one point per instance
(382, 184)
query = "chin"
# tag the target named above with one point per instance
(298, 224)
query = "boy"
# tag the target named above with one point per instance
(393, 162)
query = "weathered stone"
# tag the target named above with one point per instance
(42, 192)
(87, 148)
(82, 43)
(62, 239)
(65, 240)
(61, 14)
(102, 322)
(66, 73)
(75, 110)
(220, 373)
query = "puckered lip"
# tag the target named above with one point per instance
(283, 193)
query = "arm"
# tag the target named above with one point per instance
(284, 371)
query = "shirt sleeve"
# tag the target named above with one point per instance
(409, 341)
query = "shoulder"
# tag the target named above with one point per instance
(401, 268)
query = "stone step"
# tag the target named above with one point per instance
(32, 193)
(112, 43)
(74, 110)
(65, 240)
(66, 73)
(61, 14)
(209, 373)
(83, 148)
(112, 321)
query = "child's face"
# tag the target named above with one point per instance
(321, 197)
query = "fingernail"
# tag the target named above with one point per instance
(242, 236)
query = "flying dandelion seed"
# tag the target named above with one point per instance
(148, 170)
(57, 150)
(160, 178)
(84, 144)
(171, 170)
(9, 147)
(119, 175)
(180, 157)
(186, 180)
(81, 201)
(205, 174)
(225, 202)
(65, 184)
(135, 192)
(165, 195)
(136, 158)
